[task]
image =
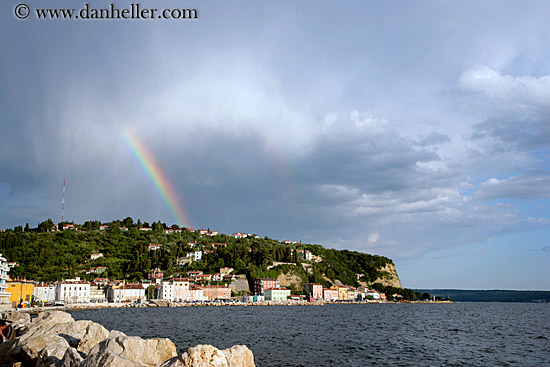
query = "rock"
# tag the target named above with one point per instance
(82, 334)
(43, 347)
(71, 358)
(172, 362)
(18, 319)
(52, 333)
(114, 333)
(147, 352)
(108, 358)
(203, 356)
(239, 356)
(53, 316)
(6, 352)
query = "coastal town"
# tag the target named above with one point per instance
(195, 288)
(129, 263)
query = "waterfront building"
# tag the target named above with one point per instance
(126, 293)
(315, 290)
(342, 292)
(73, 291)
(277, 294)
(97, 293)
(20, 291)
(196, 293)
(4, 277)
(215, 292)
(165, 291)
(262, 284)
(330, 294)
(44, 292)
(180, 289)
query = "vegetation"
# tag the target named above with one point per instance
(44, 254)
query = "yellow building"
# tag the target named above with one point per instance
(20, 291)
(342, 292)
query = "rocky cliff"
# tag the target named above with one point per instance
(55, 339)
(389, 277)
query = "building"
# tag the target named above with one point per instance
(156, 275)
(126, 293)
(181, 289)
(194, 274)
(155, 246)
(196, 294)
(97, 293)
(182, 261)
(215, 292)
(174, 290)
(315, 290)
(226, 270)
(342, 292)
(262, 284)
(277, 294)
(20, 291)
(44, 292)
(96, 255)
(330, 294)
(73, 291)
(195, 255)
(4, 270)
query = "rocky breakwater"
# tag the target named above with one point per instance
(55, 339)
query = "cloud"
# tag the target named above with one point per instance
(491, 83)
(533, 185)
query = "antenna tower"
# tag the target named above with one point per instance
(63, 202)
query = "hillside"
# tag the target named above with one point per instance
(46, 255)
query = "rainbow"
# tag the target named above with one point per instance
(154, 172)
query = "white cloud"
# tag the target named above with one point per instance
(534, 185)
(493, 84)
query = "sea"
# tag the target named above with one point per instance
(402, 334)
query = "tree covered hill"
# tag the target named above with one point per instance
(47, 255)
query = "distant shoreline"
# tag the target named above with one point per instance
(152, 304)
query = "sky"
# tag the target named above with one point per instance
(416, 130)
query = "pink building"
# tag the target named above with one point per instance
(212, 292)
(261, 284)
(330, 294)
(315, 290)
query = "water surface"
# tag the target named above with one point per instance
(462, 334)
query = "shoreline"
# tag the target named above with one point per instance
(166, 304)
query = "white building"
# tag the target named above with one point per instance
(196, 294)
(126, 293)
(44, 292)
(174, 290)
(4, 270)
(97, 293)
(195, 255)
(73, 291)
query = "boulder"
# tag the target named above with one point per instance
(18, 319)
(209, 356)
(52, 333)
(82, 334)
(202, 356)
(146, 352)
(239, 356)
(43, 347)
(108, 358)
(71, 358)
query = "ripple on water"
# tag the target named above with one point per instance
(468, 334)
